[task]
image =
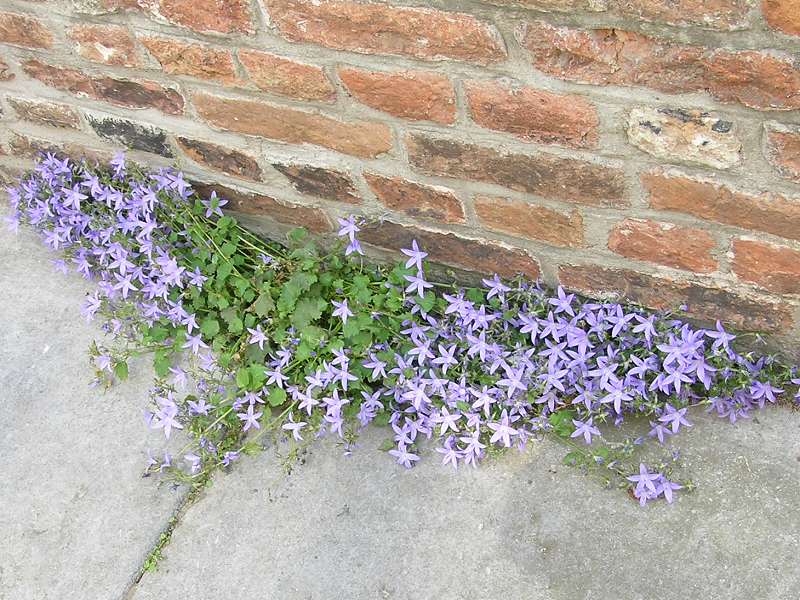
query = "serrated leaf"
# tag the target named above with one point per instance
(426, 302)
(382, 419)
(158, 334)
(209, 327)
(121, 370)
(312, 335)
(232, 320)
(257, 376)
(297, 235)
(307, 311)
(223, 271)
(243, 378)
(264, 304)
(276, 397)
(241, 284)
(298, 283)
(561, 422)
(161, 363)
(303, 351)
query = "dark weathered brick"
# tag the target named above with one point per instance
(546, 175)
(221, 158)
(703, 302)
(320, 182)
(452, 250)
(131, 135)
(287, 213)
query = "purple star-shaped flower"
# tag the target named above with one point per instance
(585, 429)
(342, 310)
(416, 256)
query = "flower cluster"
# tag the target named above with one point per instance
(251, 337)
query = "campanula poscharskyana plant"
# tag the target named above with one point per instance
(252, 338)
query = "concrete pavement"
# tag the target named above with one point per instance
(77, 520)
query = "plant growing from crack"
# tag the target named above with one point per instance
(252, 338)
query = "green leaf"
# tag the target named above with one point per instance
(223, 271)
(276, 397)
(463, 406)
(307, 311)
(241, 284)
(161, 362)
(562, 422)
(298, 283)
(382, 419)
(257, 376)
(303, 351)
(158, 334)
(228, 249)
(351, 328)
(121, 370)
(243, 378)
(312, 334)
(209, 327)
(297, 235)
(426, 302)
(264, 305)
(232, 319)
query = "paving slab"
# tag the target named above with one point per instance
(521, 526)
(76, 518)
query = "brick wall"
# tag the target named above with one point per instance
(649, 148)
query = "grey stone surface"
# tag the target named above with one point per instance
(521, 526)
(76, 518)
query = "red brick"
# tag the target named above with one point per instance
(775, 268)
(708, 14)
(767, 212)
(755, 79)
(30, 147)
(370, 28)
(530, 221)
(194, 60)
(782, 149)
(45, 113)
(120, 92)
(452, 250)
(221, 158)
(533, 115)
(415, 95)
(279, 75)
(415, 199)
(365, 139)
(320, 182)
(24, 30)
(783, 15)
(542, 174)
(664, 244)
(204, 16)
(107, 44)
(287, 213)
(216, 16)
(661, 293)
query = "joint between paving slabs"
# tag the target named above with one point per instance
(154, 555)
